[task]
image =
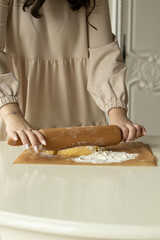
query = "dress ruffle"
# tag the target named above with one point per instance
(55, 90)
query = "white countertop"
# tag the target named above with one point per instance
(100, 202)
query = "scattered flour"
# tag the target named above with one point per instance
(102, 157)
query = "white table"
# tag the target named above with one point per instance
(78, 202)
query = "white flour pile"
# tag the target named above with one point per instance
(102, 157)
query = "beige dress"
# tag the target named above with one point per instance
(60, 70)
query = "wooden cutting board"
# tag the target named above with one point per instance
(145, 156)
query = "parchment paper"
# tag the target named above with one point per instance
(145, 157)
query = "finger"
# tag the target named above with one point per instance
(40, 137)
(125, 132)
(132, 132)
(13, 135)
(24, 138)
(138, 130)
(33, 140)
(144, 132)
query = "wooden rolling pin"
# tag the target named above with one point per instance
(59, 138)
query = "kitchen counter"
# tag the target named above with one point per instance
(78, 202)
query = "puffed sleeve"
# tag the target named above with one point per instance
(106, 71)
(9, 85)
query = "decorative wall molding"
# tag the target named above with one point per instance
(116, 18)
(144, 75)
(145, 72)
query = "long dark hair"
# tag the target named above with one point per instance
(75, 5)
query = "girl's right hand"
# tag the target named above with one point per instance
(18, 127)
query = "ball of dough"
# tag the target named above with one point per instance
(52, 152)
(77, 151)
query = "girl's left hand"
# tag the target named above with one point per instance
(130, 130)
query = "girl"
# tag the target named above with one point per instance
(60, 66)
